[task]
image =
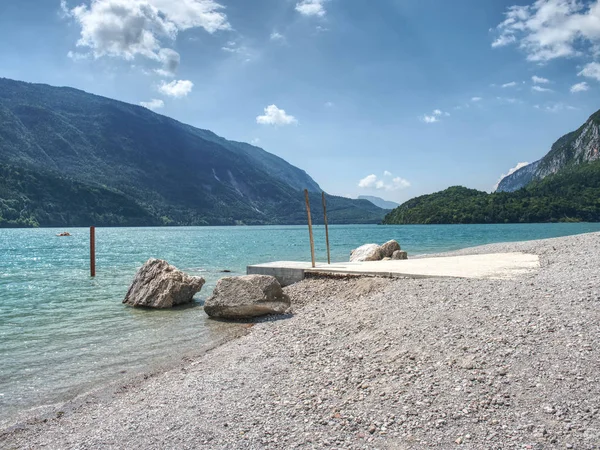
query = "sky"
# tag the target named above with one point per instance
(393, 98)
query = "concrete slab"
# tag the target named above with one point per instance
(489, 266)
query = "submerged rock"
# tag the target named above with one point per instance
(388, 249)
(247, 296)
(367, 252)
(159, 285)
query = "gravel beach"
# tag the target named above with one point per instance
(374, 363)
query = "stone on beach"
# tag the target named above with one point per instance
(367, 252)
(157, 284)
(247, 296)
(398, 254)
(388, 249)
(374, 252)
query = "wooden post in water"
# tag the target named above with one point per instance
(326, 227)
(310, 232)
(93, 251)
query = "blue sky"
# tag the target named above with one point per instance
(394, 98)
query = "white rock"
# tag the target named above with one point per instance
(367, 252)
(157, 284)
(247, 296)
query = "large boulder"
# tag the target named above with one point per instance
(399, 255)
(388, 249)
(367, 252)
(159, 285)
(247, 296)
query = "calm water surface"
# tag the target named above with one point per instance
(62, 332)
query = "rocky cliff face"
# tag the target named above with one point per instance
(577, 147)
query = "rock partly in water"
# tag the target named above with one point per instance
(398, 254)
(367, 252)
(247, 296)
(159, 285)
(388, 249)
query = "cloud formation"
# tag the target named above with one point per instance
(387, 183)
(275, 116)
(434, 117)
(476, 99)
(153, 104)
(311, 8)
(540, 89)
(539, 80)
(591, 70)
(130, 28)
(511, 84)
(510, 172)
(549, 29)
(579, 87)
(176, 88)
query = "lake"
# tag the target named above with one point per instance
(62, 332)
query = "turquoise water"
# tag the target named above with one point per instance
(62, 332)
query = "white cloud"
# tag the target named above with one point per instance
(591, 70)
(510, 172)
(368, 181)
(275, 116)
(579, 87)
(549, 29)
(476, 99)
(153, 104)
(170, 60)
(540, 89)
(387, 183)
(255, 141)
(429, 119)
(329, 104)
(503, 40)
(511, 84)
(434, 116)
(176, 88)
(539, 80)
(511, 100)
(311, 8)
(557, 107)
(130, 28)
(275, 36)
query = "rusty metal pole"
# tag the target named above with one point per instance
(310, 231)
(93, 251)
(326, 227)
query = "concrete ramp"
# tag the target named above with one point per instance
(489, 266)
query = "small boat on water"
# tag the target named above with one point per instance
(64, 233)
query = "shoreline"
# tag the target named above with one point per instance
(245, 357)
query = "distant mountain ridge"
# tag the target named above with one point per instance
(577, 147)
(128, 158)
(571, 195)
(378, 201)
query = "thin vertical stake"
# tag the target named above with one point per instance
(326, 227)
(310, 232)
(93, 251)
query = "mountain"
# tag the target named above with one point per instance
(571, 195)
(377, 201)
(577, 147)
(133, 166)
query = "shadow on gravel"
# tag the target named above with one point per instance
(254, 320)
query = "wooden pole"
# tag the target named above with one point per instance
(310, 232)
(326, 227)
(93, 251)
